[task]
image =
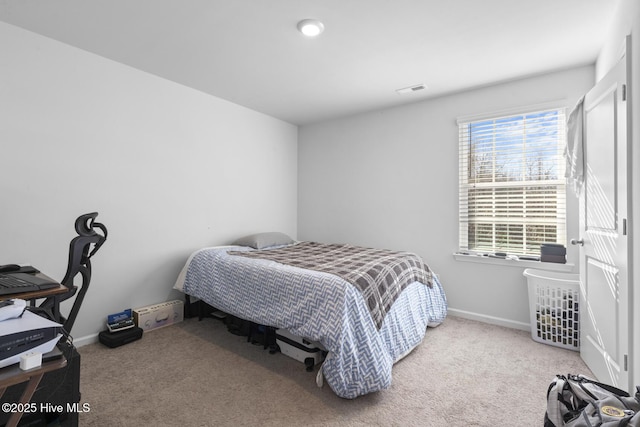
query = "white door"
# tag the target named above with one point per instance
(604, 327)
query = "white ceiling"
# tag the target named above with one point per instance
(249, 51)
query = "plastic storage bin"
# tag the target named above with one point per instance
(554, 300)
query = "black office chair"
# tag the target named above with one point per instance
(80, 254)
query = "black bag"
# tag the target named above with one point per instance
(237, 326)
(578, 401)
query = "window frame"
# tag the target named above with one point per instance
(464, 160)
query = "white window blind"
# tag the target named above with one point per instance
(512, 186)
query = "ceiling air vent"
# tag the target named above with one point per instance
(412, 89)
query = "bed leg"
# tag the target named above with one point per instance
(187, 306)
(200, 310)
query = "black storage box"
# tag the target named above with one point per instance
(116, 339)
(553, 252)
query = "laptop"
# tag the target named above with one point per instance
(17, 283)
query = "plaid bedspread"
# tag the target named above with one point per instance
(379, 274)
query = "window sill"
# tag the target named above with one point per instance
(552, 266)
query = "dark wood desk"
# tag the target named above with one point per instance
(12, 375)
(35, 295)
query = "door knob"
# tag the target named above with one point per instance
(577, 242)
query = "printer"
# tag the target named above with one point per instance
(25, 334)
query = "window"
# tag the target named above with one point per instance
(512, 184)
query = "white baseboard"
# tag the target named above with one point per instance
(490, 319)
(89, 339)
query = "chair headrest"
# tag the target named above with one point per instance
(85, 227)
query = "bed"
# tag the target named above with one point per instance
(324, 293)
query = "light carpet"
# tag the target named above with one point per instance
(195, 373)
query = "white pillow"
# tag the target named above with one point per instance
(264, 240)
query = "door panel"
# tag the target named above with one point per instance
(600, 126)
(603, 304)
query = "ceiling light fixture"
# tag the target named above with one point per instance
(310, 27)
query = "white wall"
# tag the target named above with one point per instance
(169, 170)
(389, 179)
(627, 22)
